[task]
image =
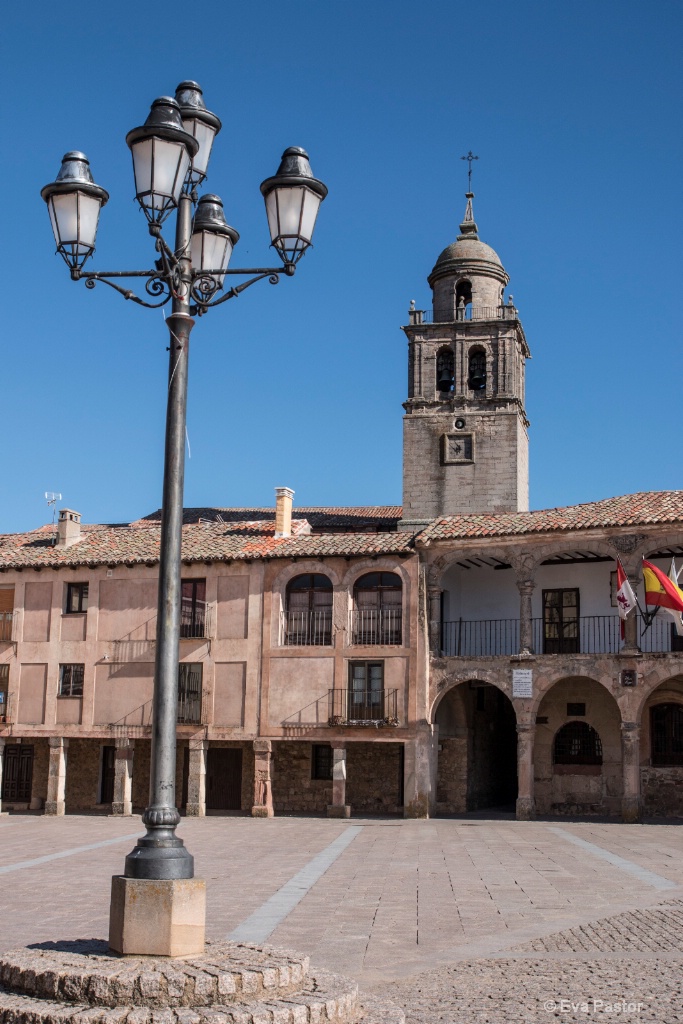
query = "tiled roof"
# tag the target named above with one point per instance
(642, 509)
(317, 516)
(131, 544)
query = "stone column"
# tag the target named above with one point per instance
(419, 772)
(123, 778)
(525, 808)
(339, 807)
(526, 639)
(2, 765)
(196, 779)
(434, 597)
(56, 777)
(630, 754)
(263, 790)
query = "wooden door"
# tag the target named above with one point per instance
(108, 770)
(17, 773)
(224, 779)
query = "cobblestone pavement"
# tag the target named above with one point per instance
(456, 920)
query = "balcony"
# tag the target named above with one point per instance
(592, 634)
(306, 628)
(363, 707)
(189, 710)
(194, 621)
(468, 313)
(372, 627)
(6, 626)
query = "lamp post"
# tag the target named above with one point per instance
(170, 157)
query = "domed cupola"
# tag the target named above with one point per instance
(468, 275)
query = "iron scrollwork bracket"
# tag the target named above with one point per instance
(206, 283)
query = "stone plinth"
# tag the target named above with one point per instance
(339, 810)
(157, 917)
(230, 983)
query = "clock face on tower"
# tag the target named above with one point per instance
(457, 448)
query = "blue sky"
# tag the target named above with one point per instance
(574, 110)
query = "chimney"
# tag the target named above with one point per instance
(283, 511)
(68, 528)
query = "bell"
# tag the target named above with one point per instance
(445, 380)
(477, 381)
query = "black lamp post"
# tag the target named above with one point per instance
(170, 157)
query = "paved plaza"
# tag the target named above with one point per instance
(456, 920)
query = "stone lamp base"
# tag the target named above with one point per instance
(230, 983)
(157, 917)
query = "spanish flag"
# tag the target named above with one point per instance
(660, 590)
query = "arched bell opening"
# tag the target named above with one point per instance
(577, 750)
(661, 750)
(477, 750)
(476, 376)
(445, 372)
(463, 298)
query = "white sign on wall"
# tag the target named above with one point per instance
(522, 682)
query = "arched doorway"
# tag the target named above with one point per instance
(477, 756)
(577, 750)
(661, 750)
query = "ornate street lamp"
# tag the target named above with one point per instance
(170, 157)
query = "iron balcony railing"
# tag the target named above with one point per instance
(591, 634)
(6, 626)
(194, 620)
(306, 628)
(361, 707)
(376, 626)
(449, 316)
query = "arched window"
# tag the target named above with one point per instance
(666, 734)
(476, 378)
(463, 298)
(577, 743)
(377, 598)
(308, 612)
(445, 371)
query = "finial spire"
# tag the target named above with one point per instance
(468, 228)
(470, 157)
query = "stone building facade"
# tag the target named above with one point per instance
(456, 654)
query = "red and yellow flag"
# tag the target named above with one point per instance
(660, 590)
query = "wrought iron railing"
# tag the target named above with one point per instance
(194, 620)
(6, 626)
(306, 628)
(373, 626)
(590, 634)
(445, 316)
(362, 707)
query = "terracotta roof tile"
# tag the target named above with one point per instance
(317, 516)
(641, 509)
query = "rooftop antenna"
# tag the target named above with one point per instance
(470, 157)
(51, 497)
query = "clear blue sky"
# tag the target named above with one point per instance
(574, 110)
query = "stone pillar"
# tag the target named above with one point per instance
(339, 807)
(196, 779)
(434, 597)
(2, 765)
(122, 804)
(630, 754)
(526, 637)
(419, 773)
(263, 790)
(525, 808)
(56, 777)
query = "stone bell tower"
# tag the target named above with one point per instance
(465, 442)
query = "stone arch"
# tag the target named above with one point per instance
(279, 592)
(477, 748)
(578, 789)
(661, 784)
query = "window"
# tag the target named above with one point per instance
(76, 598)
(560, 621)
(189, 693)
(577, 743)
(666, 734)
(377, 598)
(4, 685)
(308, 612)
(476, 378)
(6, 612)
(445, 371)
(71, 680)
(463, 298)
(321, 762)
(193, 608)
(366, 691)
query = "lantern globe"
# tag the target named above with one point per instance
(74, 202)
(201, 124)
(293, 197)
(212, 239)
(162, 152)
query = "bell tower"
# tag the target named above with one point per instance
(465, 441)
